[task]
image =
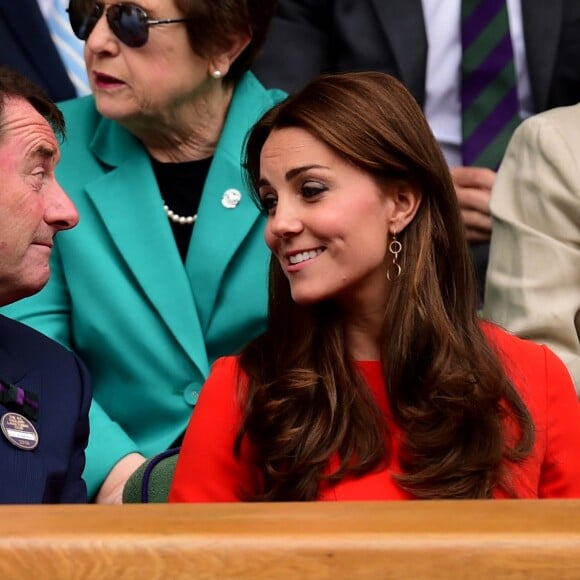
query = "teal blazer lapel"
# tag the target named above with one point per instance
(217, 225)
(152, 258)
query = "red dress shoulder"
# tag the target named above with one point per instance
(208, 471)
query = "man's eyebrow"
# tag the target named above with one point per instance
(42, 151)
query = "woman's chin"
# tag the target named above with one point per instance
(306, 298)
(112, 108)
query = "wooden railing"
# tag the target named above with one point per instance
(401, 540)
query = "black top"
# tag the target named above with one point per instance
(181, 186)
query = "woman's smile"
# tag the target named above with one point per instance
(304, 256)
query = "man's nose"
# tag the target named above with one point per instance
(60, 211)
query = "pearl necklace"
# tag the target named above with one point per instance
(176, 218)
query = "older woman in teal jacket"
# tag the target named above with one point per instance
(167, 269)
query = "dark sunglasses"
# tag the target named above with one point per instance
(128, 22)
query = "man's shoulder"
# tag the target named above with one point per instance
(563, 120)
(16, 336)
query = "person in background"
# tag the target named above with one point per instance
(533, 284)
(36, 39)
(45, 390)
(167, 270)
(420, 42)
(375, 378)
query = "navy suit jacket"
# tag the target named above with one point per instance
(50, 473)
(309, 37)
(26, 46)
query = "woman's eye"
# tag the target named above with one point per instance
(312, 189)
(268, 203)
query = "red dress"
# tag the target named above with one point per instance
(207, 470)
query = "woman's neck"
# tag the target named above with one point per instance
(363, 337)
(363, 325)
(187, 132)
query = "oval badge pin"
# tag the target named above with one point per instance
(19, 431)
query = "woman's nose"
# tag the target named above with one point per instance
(101, 37)
(286, 220)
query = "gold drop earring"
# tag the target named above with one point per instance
(395, 248)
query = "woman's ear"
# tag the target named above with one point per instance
(223, 61)
(406, 199)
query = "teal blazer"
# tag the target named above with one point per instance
(119, 295)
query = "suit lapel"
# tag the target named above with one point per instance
(12, 368)
(403, 23)
(219, 231)
(404, 26)
(542, 22)
(27, 24)
(152, 258)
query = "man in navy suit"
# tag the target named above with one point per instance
(44, 389)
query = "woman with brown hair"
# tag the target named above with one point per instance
(375, 378)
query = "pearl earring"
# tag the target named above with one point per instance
(216, 74)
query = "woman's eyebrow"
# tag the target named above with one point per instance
(291, 173)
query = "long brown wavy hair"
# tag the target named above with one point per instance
(305, 400)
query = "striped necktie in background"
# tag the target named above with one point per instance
(489, 98)
(69, 47)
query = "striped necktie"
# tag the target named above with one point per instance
(69, 47)
(489, 98)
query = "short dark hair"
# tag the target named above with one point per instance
(15, 85)
(211, 25)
